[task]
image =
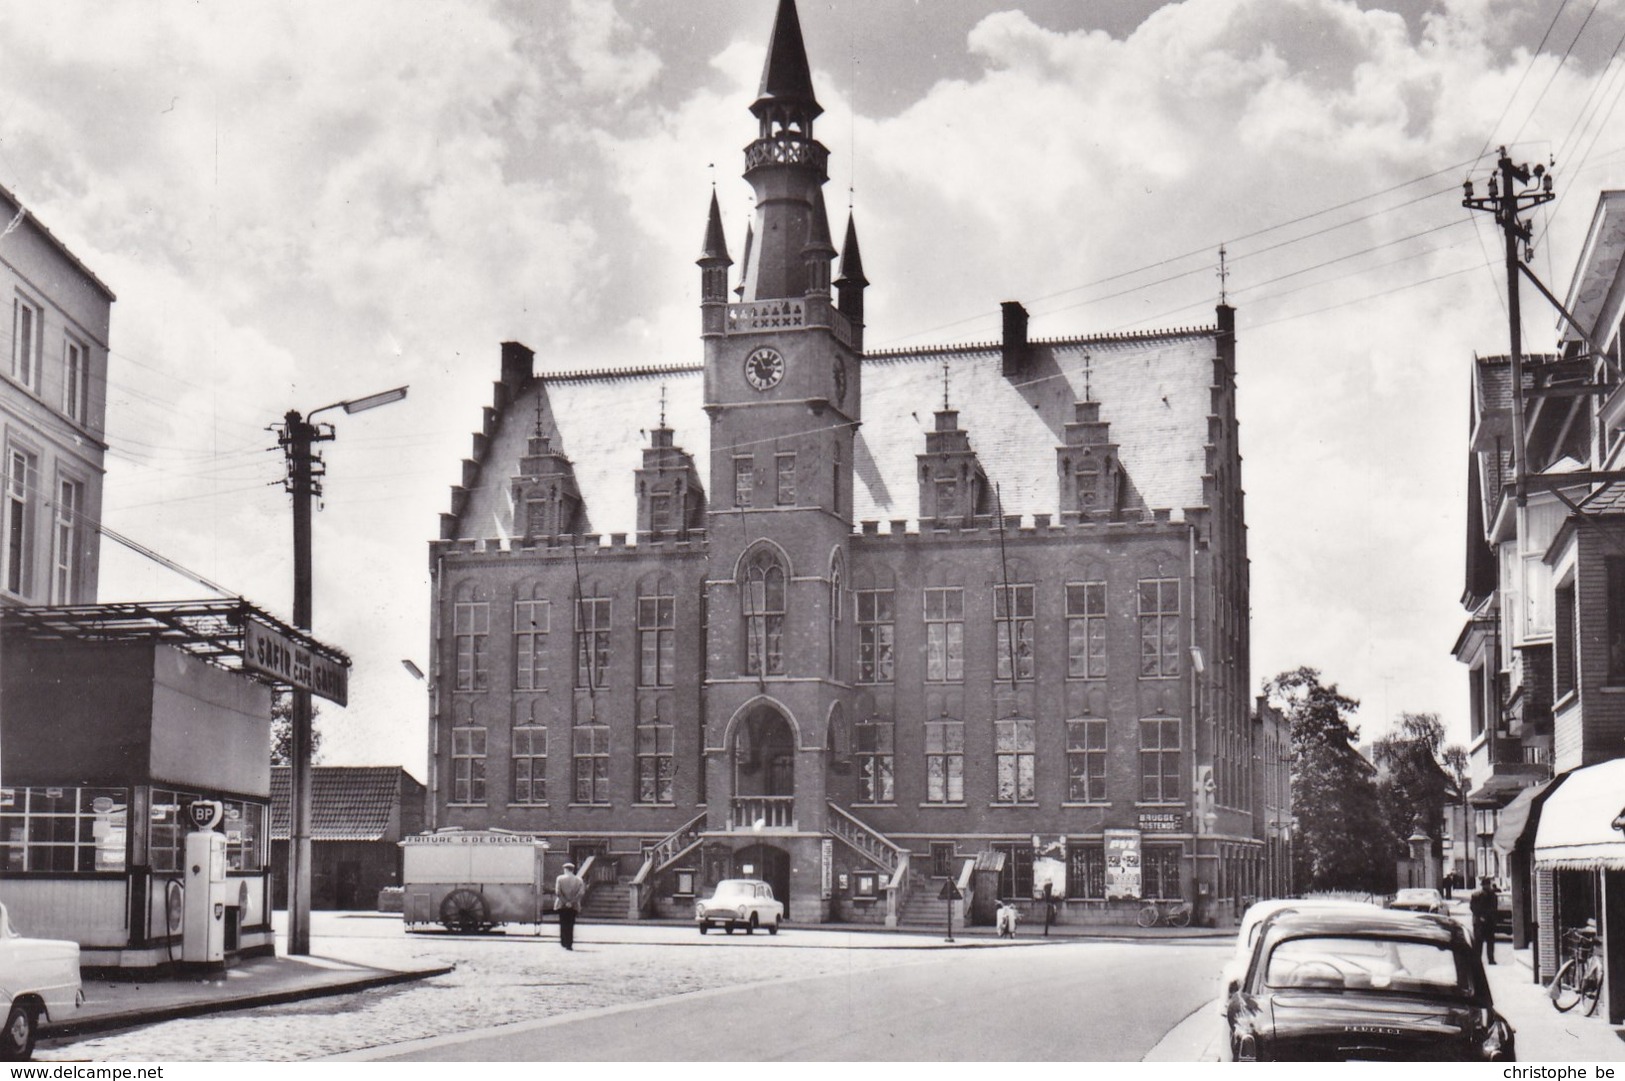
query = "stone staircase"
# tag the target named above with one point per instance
(923, 909)
(606, 901)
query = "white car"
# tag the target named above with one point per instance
(740, 902)
(39, 977)
(1418, 900)
(1235, 969)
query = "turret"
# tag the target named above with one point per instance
(713, 262)
(850, 285)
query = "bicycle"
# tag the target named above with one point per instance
(1580, 978)
(1175, 914)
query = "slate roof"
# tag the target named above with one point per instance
(349, 803)
(1154, 389)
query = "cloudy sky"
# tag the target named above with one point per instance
(299, 203)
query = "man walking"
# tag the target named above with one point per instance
(1483, 907)
(568, 890)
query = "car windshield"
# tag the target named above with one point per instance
(1367, 964)
(1415, 895)
(735, 891)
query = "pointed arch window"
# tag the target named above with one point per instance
(764, 603)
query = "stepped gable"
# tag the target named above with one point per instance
(1154, 389)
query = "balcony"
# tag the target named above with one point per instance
(762, 812)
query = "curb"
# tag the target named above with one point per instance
(130, 1018)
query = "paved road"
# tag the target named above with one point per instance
(1073, 1001)
(904, 995)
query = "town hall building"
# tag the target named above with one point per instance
(871, 626)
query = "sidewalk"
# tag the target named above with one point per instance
(1543, 1034)
(120, 1002)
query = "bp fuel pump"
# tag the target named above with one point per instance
(203, 934)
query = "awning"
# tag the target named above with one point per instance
(1577, 828)
(1514, 817)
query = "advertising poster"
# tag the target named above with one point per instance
(1122, 865)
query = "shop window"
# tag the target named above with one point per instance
(166, 831)
(945, 635)
(1159, 627)
(529, 764)
(531, 621)
(655, 763)
(67, 829)
(1013, 616)
(1014, 750)
(1159, 760)
(876, 627)
(1016, 879)
(246, 840)
(875, 760)
(1086, 630)
(1160, 872)
(944, 762)
(1086, 871)
(1086, 761)
(468, 765)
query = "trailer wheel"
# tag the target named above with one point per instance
(464, 910)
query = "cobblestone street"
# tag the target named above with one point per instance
(499, 979)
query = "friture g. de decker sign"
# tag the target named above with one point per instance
(274, 654)
(1162, 821)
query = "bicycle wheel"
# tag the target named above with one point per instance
(1591, 988)
(1179, 915)
(1148, 916)
(1565, 989)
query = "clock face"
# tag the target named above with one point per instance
(764, 368)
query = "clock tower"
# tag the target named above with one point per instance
(783, 391)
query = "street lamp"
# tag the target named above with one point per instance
(297, 438)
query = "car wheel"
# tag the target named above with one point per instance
(728, 928)
(773, 928)
(17, 1041)
(750, 928)
(704, 927)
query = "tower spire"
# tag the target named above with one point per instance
(786, 77)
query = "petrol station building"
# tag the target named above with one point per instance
(135, 777)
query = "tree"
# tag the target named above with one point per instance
(1417, 782)
(282, 731)
(1341, 841)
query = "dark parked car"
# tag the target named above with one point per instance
(1378, 985)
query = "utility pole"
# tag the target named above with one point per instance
(297, 438)
(1508, 203)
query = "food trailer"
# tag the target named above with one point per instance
(473, 880)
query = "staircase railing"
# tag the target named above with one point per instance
(584, 872)
(865, 841)
(897, 891)
(665, 852)
(967, 890)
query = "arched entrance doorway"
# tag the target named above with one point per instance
(764, 776)
(771, 865)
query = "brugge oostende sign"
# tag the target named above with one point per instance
(276, 655)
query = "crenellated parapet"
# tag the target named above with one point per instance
(1016, 529)
(569, 548)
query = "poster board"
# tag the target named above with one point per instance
(1122, 865)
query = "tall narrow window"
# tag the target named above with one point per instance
(764, 615)
(948, 498)
(65, 558)
(1013, 615)
(660, 512)
(592, 641)
(27, 339)
(1014, 749)
(471, 626)
(531, 620)
(1086, 761)
(785, 466)
(18, 516)
(1159, 760)
(468, 765)
(1159, 627)
(945, 635)
(76, 380)
(875, 628)
(744, 481)
(1086, 630)
(944, 762)
(655, 763)
(657, 639)
(875, 760)
(529, 764)
(591, 753)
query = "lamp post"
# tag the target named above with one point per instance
(298, 437)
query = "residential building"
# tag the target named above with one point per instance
(359, 816)
(864, 624)
(53, 400)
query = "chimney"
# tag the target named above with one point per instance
(518, 365)
(1015, 339)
